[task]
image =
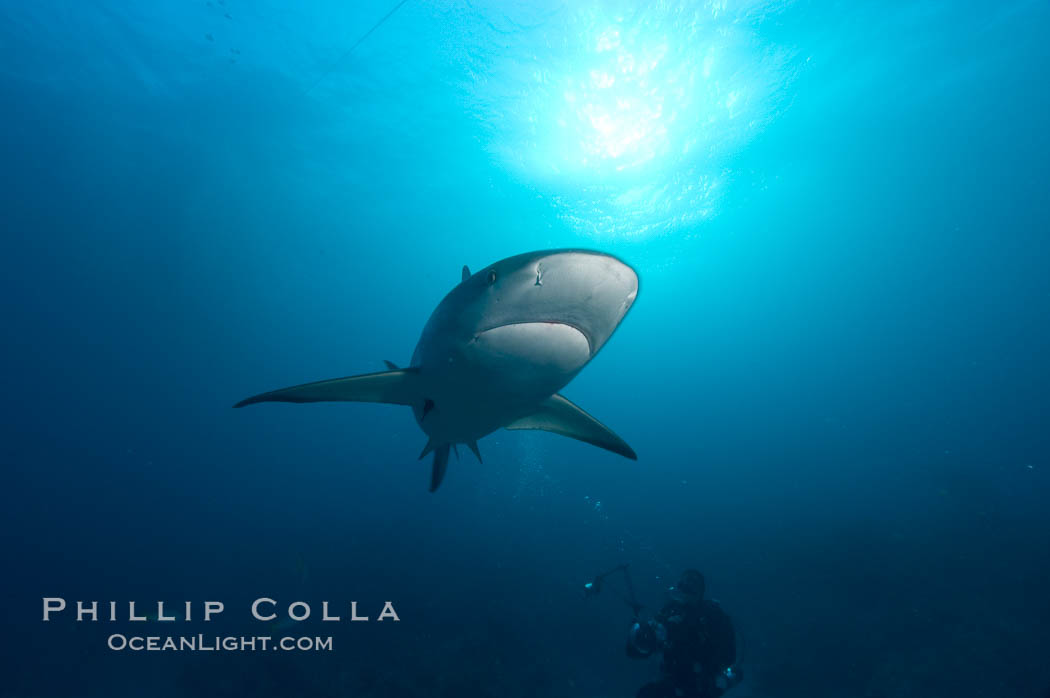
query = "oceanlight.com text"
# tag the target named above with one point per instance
(217, 643)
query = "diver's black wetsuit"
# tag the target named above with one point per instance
(700, 644)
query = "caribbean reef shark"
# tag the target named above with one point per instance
(497, 350)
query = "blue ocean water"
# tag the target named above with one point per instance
(835, 374)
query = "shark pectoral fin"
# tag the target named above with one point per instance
(399, 387)
(437, 473)
(560, 416)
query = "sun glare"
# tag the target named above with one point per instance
(629, 118)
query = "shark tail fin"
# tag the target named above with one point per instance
(558, 415)
(399, 387)
(437, 472)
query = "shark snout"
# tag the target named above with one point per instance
(590, 291)
(583, 268)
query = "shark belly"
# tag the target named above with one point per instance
(497, 376)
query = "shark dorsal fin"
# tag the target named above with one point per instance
(466, 273)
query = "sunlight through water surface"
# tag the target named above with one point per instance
(628, 116)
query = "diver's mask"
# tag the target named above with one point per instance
(690, 588)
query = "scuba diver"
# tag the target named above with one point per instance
(697, 641)
(695, 636)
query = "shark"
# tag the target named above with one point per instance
(497, 351)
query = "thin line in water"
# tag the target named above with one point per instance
(353, 46)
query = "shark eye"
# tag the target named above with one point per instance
(492, 276)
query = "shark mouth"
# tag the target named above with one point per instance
(558, 346)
